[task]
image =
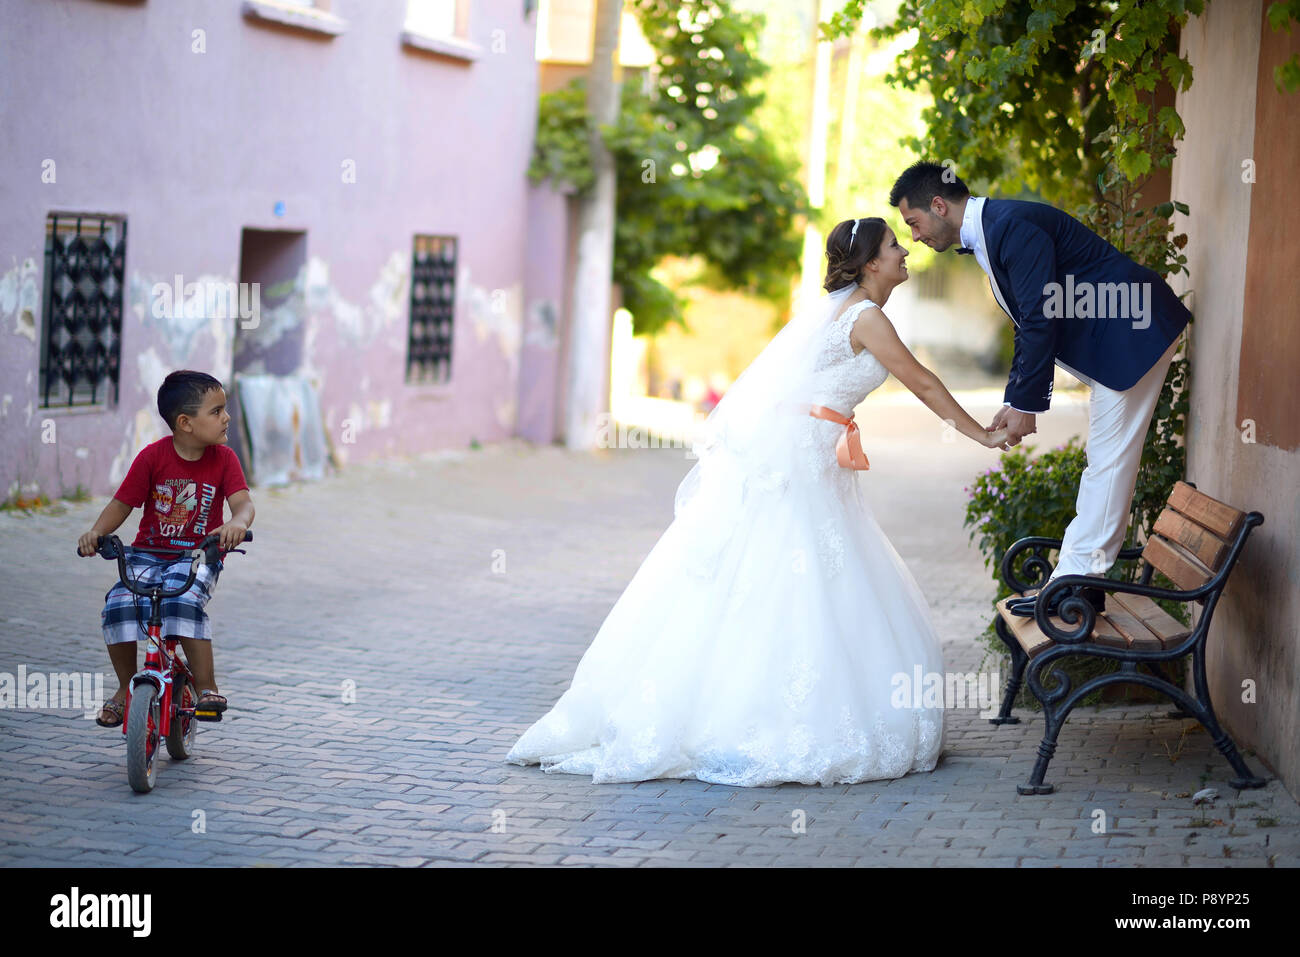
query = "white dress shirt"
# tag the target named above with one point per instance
(972, 237)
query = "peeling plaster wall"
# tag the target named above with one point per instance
(364, 141)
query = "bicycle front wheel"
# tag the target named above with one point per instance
(142, 738)
(180, 735)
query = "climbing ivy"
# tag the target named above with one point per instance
(1021, 90)
(1281, 15)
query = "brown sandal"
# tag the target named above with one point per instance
(210, 701)
(115, 707)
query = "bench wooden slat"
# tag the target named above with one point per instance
(1176, 564)
(1162, 624)
(1033, 641)
(1223, 520)
(1198, 540)
(1137, 634)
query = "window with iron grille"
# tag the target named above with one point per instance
(433, 302)
(85, 260)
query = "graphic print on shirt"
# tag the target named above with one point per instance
(209, 493)
(176, 501)
(162, 499)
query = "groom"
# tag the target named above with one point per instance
(1078, 303)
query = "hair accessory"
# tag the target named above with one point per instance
(854, 233)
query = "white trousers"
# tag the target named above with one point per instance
(1117, 428)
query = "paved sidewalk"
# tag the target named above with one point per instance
(454, 596)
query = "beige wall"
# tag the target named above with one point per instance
(1257, 623)
(566, 31)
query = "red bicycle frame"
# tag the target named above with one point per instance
(160, 675)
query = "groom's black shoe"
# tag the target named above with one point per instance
(1028, 607)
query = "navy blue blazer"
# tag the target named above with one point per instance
(1074, 297)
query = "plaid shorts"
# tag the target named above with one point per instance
(182, 616)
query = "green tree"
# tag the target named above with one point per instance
(696, 176)
(1021, 91)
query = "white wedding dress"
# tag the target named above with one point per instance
(761, 647)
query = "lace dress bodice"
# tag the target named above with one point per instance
(844, 379)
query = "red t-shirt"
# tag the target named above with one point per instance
(183, 500)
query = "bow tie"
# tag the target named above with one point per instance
(963, 251)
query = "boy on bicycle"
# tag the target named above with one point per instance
(182, 481)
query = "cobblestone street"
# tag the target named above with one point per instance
(454, 595)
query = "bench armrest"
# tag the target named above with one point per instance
(1034, 566)
(1087, 616)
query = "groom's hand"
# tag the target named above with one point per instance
(998, 420)
(1018, 424)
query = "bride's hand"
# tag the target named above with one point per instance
(997, 440)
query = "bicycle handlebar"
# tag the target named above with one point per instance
(110, 547)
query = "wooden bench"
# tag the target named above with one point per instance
(1195, 543)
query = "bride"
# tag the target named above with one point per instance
(758, 641)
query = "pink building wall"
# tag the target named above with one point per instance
(194, 121)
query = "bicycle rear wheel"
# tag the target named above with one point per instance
(142, 736)
(180, 735)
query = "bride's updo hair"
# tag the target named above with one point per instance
(844, 261)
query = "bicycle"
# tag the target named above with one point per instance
(152, 691)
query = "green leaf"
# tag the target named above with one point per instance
(1286, 76)
(1170, 121)
(1279, 17)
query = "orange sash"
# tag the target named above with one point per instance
(848, 451)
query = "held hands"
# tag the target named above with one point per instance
(1016, 425)
(997, 440)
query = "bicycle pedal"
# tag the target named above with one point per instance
(207, 715)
